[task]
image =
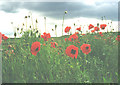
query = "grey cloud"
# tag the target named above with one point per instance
(10, 7)
(75, 9)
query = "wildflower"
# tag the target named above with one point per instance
(83, 34)
(92, 31)
(44, 44)
(54, 44)
(90, 26)
(76, 32)
(86, 49)
(72, 51)
(4, 37)
(35, 48)
(79, 29)
(100, 33)
(96, 28)
(9, 46)
(52, 39)
(45, 36)
(118, 38)
(96, 38)
(73, 37)
(77, 41)
(67, 29)
(102, 26)
(66, 39)
(12, 52)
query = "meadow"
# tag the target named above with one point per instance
(74, 58)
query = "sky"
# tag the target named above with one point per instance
(80, 12)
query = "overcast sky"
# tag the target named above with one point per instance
(94, 9)
(55, 10)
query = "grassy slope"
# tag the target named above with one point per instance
(101, 65)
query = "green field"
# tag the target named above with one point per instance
(52, 65)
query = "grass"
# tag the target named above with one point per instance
(99, 66)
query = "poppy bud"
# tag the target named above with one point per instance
(97, 24)
(55, 27)
(36, 21)
(52, 29)
(30, 26)
(65, 12)
(17, 29)
(15, 34)
(29, 16)
(74, 24)
(25, 16)
(37, 31)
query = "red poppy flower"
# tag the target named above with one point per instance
(65, 39)
(92, 31)
(96, 28)
(35, 48)
(77, 41)
(102, 26)
(67, 29)
(45, 36)
(4, 37)
(72, 51)
(118, 38)
(83, 34)
(48, 35)
(44, 44)
(100, 33)
(73, 37)
(54, 44)
(90, 26)
(86, 49)
(76, 32)
(79, 29)
(96, 38)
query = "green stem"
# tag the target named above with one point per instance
(63, 24)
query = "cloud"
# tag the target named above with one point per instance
(75, 9)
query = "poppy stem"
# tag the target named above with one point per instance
(63, 24)
(85, 61)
